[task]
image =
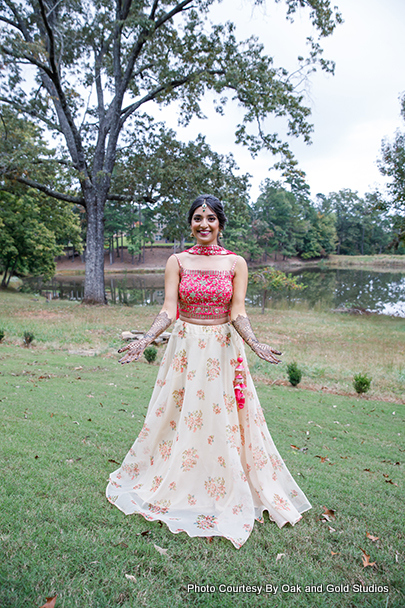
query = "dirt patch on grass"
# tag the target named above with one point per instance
(320, 388)
(86, 352)
(43, 314)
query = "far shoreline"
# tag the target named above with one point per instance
(156, 257)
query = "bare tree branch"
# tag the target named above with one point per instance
(99, 85)
(21, 24)
(177, 9)
(143, 36)
(173, 84)
(81, 159)
(67, 198)
(12, 23)
(154, 8)
(32, 112)
(30, 58)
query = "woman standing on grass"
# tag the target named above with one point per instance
(204, 462)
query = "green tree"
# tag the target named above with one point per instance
(33, 230)
(281, 219)
(362, 227)
(99, 62)
(162, 174)
(269, 279)
(392, 165)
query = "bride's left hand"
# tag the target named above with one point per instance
(264, 351)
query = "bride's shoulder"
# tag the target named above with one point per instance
(239, 263)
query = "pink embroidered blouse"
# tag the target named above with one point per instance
(205, 294)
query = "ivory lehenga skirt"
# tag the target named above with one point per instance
(200, 464)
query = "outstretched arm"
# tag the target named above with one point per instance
(166, 316)
(240, 320)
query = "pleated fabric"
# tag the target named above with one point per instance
(200, 464)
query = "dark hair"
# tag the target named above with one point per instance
(213, 203)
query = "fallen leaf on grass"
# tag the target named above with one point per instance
(391, 482)
(323, 458)
(144, 533)
(368, 470)
(160, 550)
(334, 553)
(371, 537)
(50, 602)
(78, 368)
(328, 514)
(113, 461)
(366, 559)
(294, 447)
(90, 396)
(279, 556)
(130, 577)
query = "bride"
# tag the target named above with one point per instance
(204, 462)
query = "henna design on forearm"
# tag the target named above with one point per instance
(135, 349)
(244, 329)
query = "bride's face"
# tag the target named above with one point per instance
(205, 226)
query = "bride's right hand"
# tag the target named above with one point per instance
(133, 351)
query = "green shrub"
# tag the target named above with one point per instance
(294, 373)
(361, 383)
(150, 353)
(2, 334)
(28, 338)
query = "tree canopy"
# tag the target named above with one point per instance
(33, 230)
(96, 64)
(392, 165)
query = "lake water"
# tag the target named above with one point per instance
(326, 289)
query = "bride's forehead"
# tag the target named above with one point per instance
(206, 211)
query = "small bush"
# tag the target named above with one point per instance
(28, 338)
(2, 334)
(294, 373)
(361, 383)
(150, 353)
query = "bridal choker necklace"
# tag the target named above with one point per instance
(208, 250)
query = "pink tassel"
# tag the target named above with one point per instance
(239, 384)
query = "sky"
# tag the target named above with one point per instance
(352, 111)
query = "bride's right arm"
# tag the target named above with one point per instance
(166, 316)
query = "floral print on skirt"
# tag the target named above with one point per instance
(200, 464)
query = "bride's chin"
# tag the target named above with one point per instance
(202, 241)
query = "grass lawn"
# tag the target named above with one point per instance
(69, 414)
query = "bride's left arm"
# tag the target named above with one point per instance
(239, 318)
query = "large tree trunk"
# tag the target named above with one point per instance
(4, 281)
(94, 290)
